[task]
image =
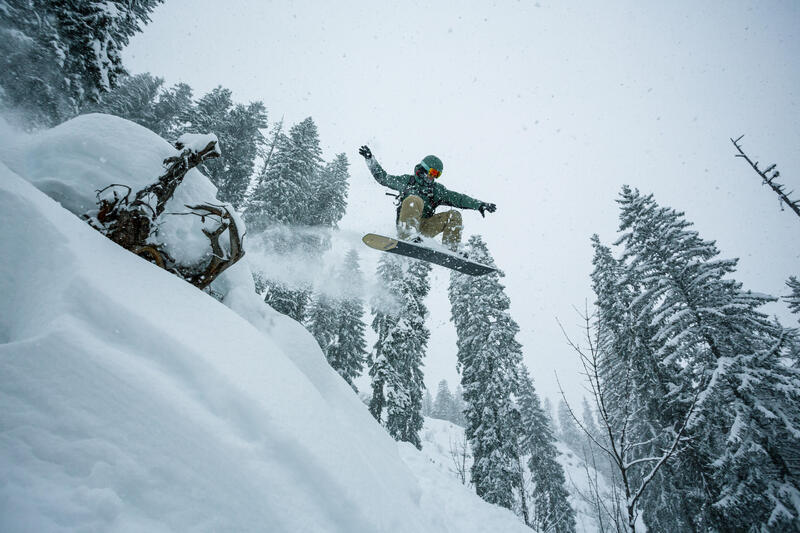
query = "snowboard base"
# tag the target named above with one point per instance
(419, 251)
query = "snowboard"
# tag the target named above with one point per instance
(419, 251)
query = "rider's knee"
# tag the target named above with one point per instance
(413, 202)
(455, 218)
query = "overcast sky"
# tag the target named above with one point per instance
(545, 108)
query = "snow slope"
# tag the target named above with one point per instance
(131, 401)
(442, 439)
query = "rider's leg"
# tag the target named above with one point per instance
(408, 223)
(448, 223)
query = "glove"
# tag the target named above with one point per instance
(486, 207)
(365, 152)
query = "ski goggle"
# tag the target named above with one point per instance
(432, 172)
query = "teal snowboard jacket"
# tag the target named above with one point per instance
(433, 194)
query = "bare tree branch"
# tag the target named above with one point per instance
(779, 189)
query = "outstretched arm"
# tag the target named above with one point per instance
(456, 199)
(380, 175)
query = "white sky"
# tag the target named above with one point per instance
(545, 108)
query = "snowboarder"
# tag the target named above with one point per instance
(419, 197)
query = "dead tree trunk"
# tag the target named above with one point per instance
(130, 223)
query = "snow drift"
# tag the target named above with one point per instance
(134, 402)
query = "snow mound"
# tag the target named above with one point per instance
(134, 402)
(70, 162)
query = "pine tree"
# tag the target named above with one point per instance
(321, 321)
(489, 357)
(427, 403)
(238, 128)
(286, 299)
(134, 99)
(171, 109)
(794, 298)
(347, 353)
(396, 366)
(56, 56)
(386, 309)
(283, 198)
(570, 433)
(329, 193)
(335, 322)
(285, 193)
(404, 392)
(550, 509)
(548, 410)
(443, 404)
(635, 381)
(457, 415)
(592, 432)
(142, 99)
(722, 353)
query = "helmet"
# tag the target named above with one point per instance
(431, 165)
(431, 161)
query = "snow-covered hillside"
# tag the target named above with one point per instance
(443, 445)
(131, 401)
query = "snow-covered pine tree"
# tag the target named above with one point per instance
(588, 420)
(97, 32)
(427, 403)
(457, 415)
(443, 404)
(134, 99)
(549, 508)
(793, 299)
(329, 193)
(321, 321)
(386, 310)
(489, 357)
(238, 128)
(284, 194)
(335, 321)
(726, 353)
(405, 388)
(396, 366)
(348, 350)
(283, 200)
(143, 99)
(570, 433)
(548, 410)
(634, 380)
(285, 299)
(55, 56)
(594, 436)
(244, 127)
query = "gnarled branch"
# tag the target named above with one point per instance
(220, 259)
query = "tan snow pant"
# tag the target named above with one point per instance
(448, 223)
